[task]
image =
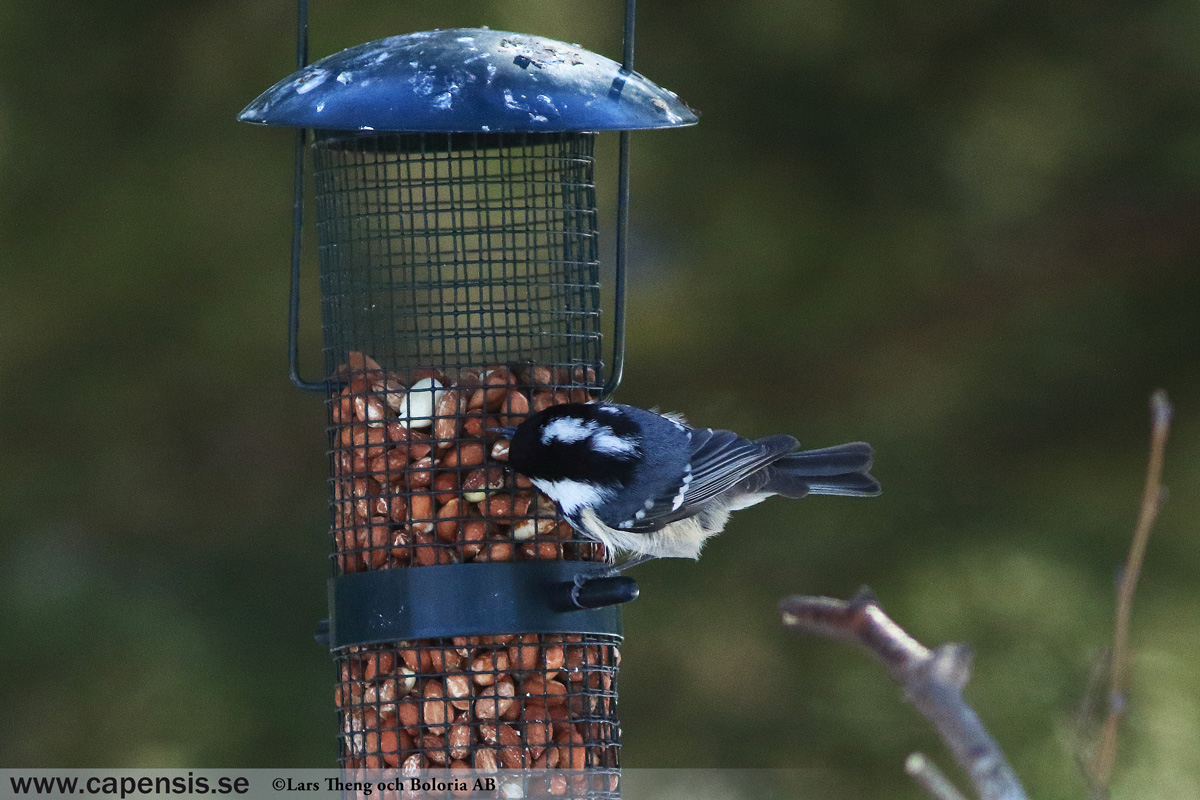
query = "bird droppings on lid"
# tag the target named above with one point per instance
(422, 83)
(344, 78)
(442, 101)
(312, 81)
(511, 103)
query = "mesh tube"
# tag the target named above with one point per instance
(455, 250)
(460, 293)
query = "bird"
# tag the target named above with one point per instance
(648, 485)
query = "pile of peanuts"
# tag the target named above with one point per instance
(418, 480)
(487, 703)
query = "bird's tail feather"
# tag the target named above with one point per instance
(840, 470)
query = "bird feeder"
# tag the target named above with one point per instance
(460, 291)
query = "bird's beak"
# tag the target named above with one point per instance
(507, 433)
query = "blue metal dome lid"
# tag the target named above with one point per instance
(467, 80)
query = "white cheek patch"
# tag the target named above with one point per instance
(573, 496)
(608, 443)
(567, 430)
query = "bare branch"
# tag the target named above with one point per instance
(932, 681)
(1099, 772)
(930, 778)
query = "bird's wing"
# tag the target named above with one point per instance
(717, 461)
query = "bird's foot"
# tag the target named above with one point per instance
(579, 581)
(605, 589)
(633, 561)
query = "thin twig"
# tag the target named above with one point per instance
(932, 681)
(930, 778)
(1082, 735)
(1153, 495)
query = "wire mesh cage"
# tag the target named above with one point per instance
(458, 238)
(458, 250)
(460, 291)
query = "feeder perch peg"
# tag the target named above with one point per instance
(587, 592)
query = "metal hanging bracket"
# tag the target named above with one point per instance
(298, 223)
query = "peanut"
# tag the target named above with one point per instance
(449, 520)
(474, 532)
(420, 508)
(537, 375)
(376, 543)
(498, 506)
(496, 551)
(389, 745)
(497, 383)
(408, 714)
(458, 687)
(523, 654)
(482, 481)
(420, 473)
(433, 710)
(467, 454)
(485, 760)
(341, 408)
(445, 487)
(486, 667)
(446, 418)
(369, 409)
(496, 699)
(444, 660)
(378, 664)
(459, 739)
(514, 407)
(434, 746)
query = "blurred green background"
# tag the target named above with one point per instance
(966, 232)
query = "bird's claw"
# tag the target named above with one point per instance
(578, 582)
(618, 569)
